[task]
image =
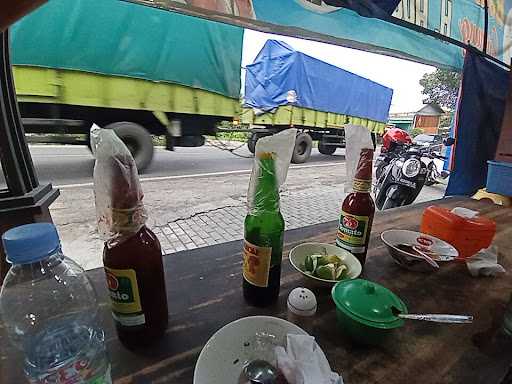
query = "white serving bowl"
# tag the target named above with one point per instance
(300, 252)
(394, 237)
(230, 348)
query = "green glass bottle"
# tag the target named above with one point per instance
(263, 238)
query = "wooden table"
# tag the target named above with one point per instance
(204, 293)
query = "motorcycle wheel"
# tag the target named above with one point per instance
(391, 203)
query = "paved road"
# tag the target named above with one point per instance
(64, 165)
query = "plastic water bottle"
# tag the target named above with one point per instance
(49, 308)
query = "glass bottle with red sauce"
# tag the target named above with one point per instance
(136, 282)
(357, 211)
(132, 255)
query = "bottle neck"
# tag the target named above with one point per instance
(266, 193)
(362, 185)
(36, 269)
(363, 175)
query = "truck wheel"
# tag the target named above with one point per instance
(326, 149)
(137, 139)
(302, 149)
(251, 142)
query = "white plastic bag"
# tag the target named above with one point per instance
(281, 147)
(117, 191)
(357, 137)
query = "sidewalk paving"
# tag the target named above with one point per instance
(196, 212)
(299, 208)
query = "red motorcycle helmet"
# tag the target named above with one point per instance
(395, 136)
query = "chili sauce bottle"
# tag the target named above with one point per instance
(263, 238)
(357, 211)
(132, 255)
(136, 283)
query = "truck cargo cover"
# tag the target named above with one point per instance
(280, 75)
(113, 37)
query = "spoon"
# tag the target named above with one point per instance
(436, 318)
(258, 372)
(427, 258)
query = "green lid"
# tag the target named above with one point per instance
(368, 303)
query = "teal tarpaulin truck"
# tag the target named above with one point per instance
(139, 70)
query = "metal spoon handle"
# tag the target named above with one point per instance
(427, 258)
(457, 319)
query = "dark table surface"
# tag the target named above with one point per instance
(204, 294)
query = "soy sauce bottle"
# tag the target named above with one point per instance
(263, 238)
(357, 211)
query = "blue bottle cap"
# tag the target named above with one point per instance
(30, 243)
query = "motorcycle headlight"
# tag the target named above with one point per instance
(411, 167)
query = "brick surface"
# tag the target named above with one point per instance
(299, 208)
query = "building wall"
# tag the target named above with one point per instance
(429, 124)
(413, 11)
(404, 126)
(432, 14)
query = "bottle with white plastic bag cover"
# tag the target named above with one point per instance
(50, 310)
(264, 223)
(132, 255)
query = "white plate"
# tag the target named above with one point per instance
(230, 348)
(393, 237)
(299, 253)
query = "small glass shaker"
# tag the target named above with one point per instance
(302, 308)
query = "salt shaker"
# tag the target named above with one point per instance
(301, 308)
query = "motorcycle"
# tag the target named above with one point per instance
(402, 180)
(434, 176)
(393, 143)
(434, 164)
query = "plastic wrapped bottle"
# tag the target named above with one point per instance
(132, 255)
(264, 223)
(357, 210)
(49, 308)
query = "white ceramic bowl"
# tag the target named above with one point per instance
(300, 252)
(230, 348)
(410, 261)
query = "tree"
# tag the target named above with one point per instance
(441, 87)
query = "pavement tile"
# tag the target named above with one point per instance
(167, 230)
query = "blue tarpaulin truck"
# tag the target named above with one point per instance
(284, 87)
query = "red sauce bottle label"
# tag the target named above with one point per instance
(256, 266)
(352, 231)
(124, 296)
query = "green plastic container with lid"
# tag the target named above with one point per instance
(364, 310)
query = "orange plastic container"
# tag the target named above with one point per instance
(467, 235)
